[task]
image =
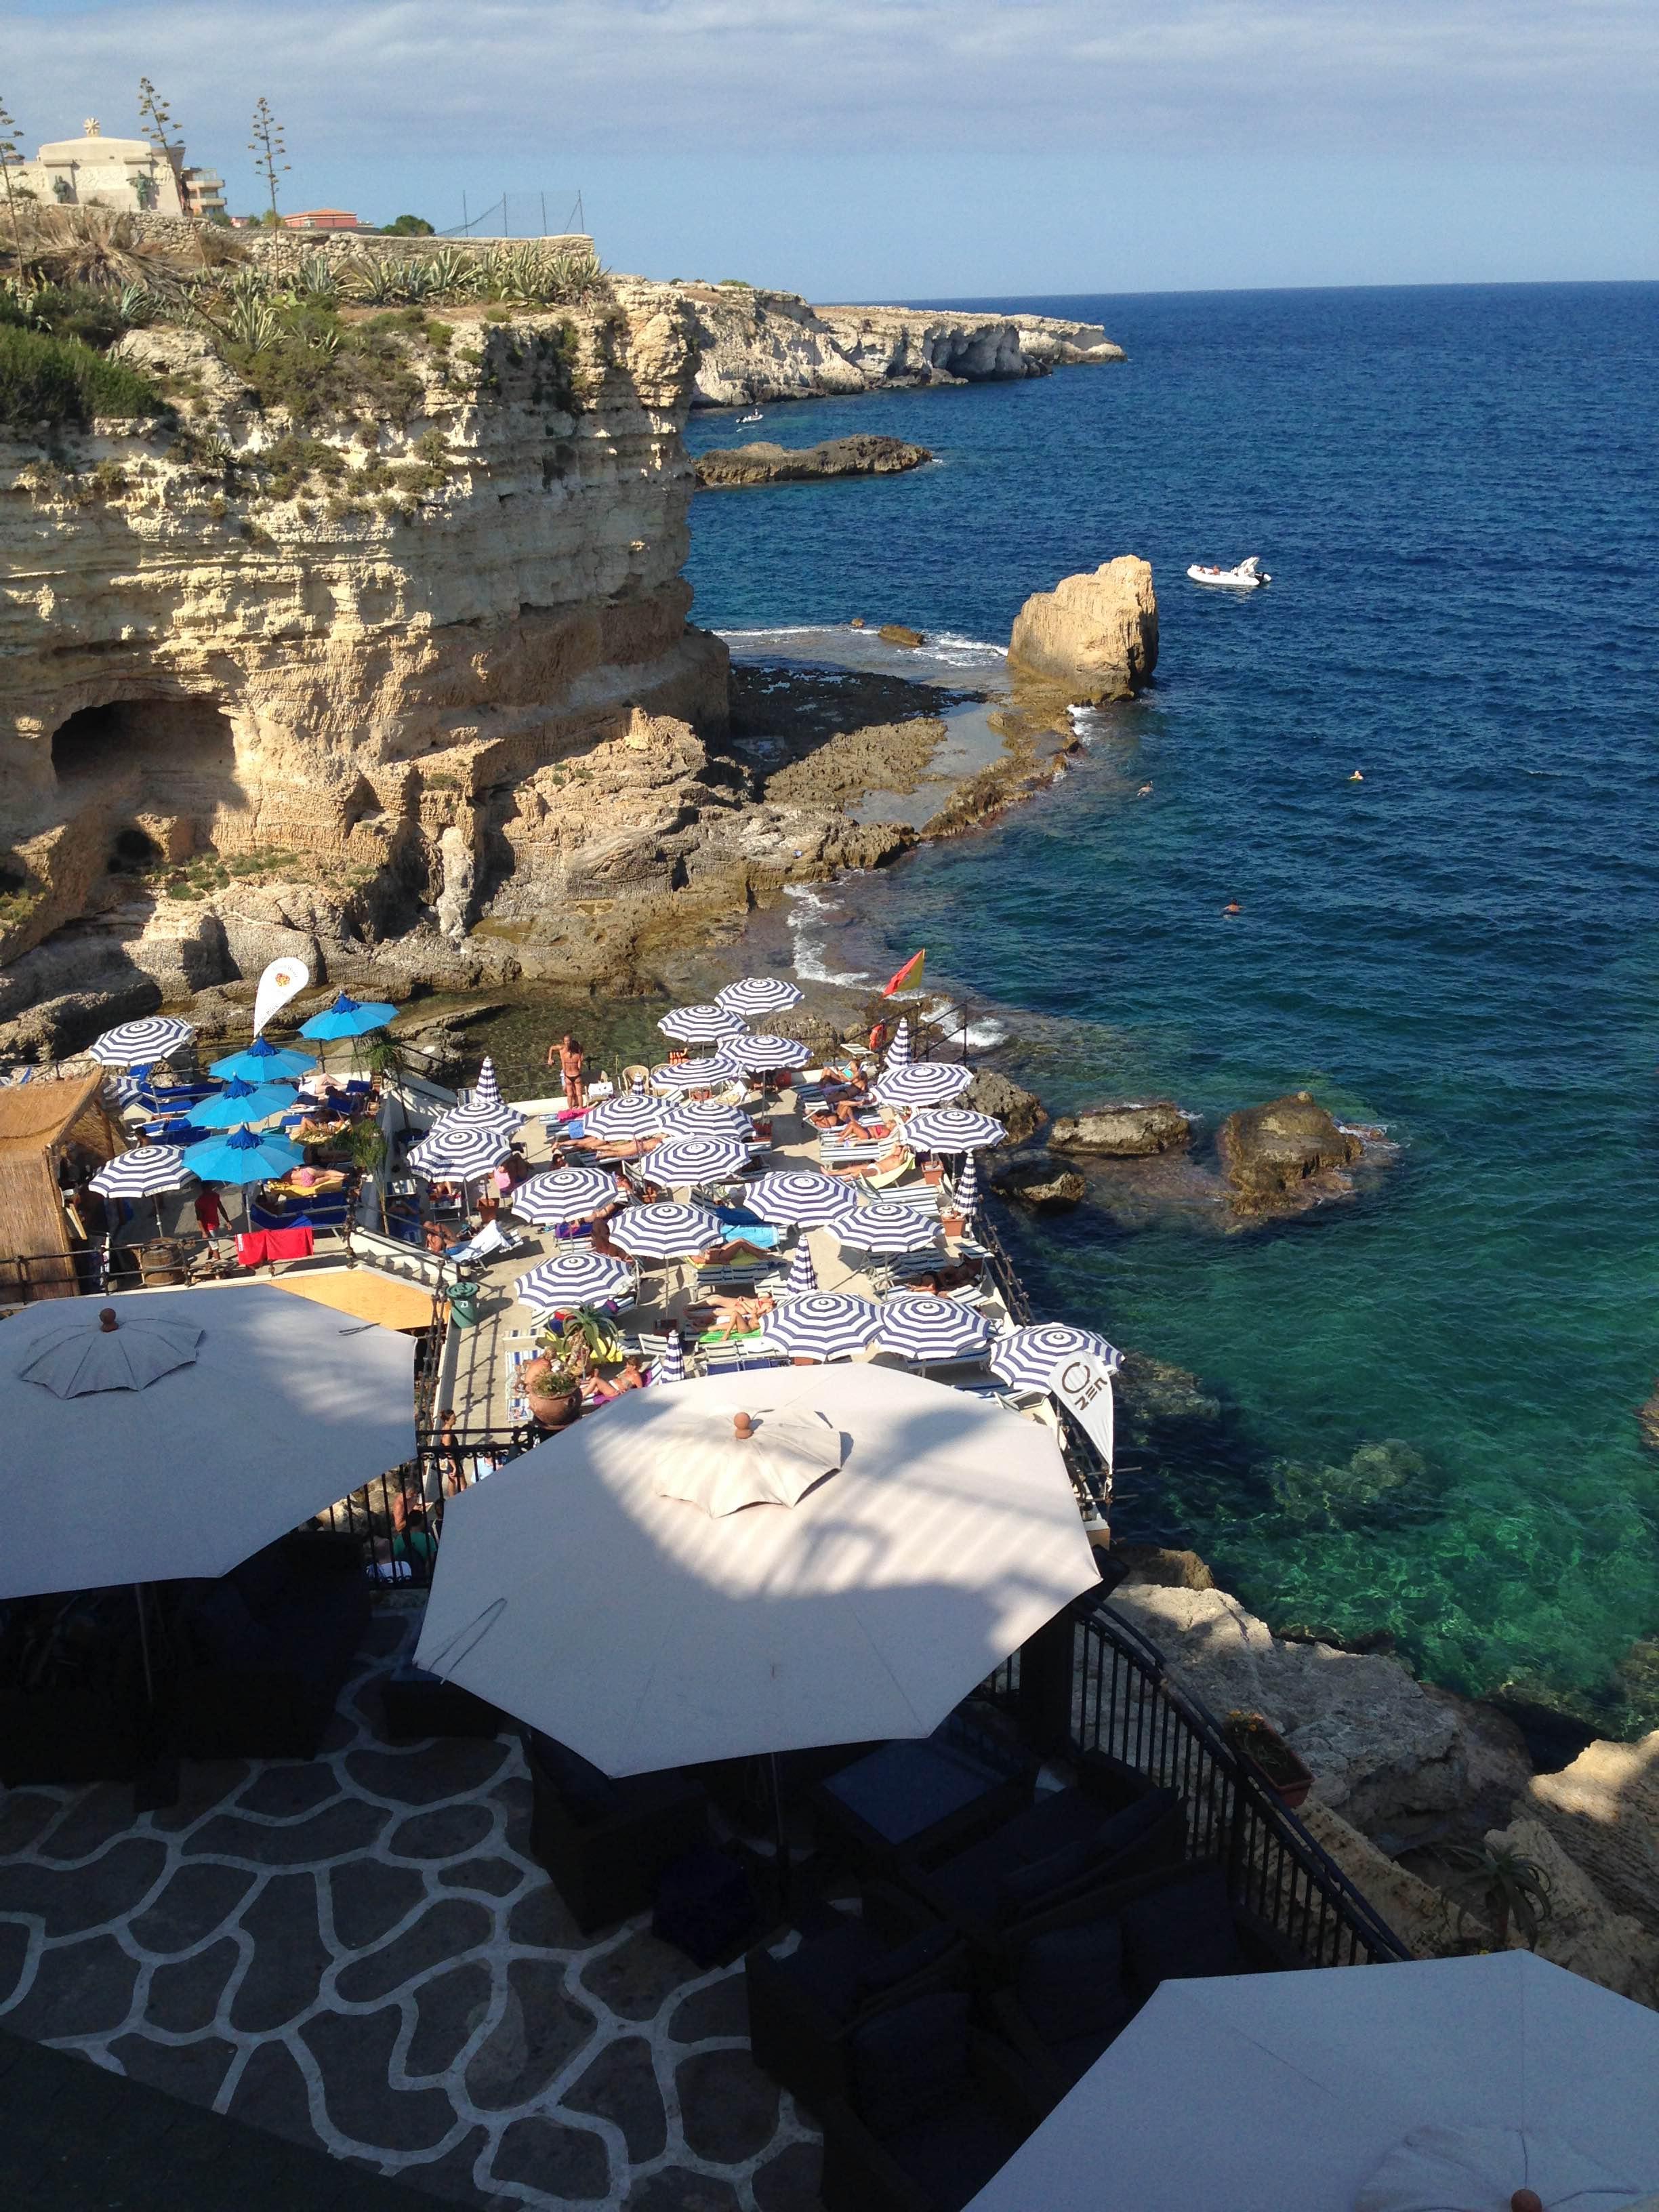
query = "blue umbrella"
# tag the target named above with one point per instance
(803, 1275)
(923, 1327)
(1029, 1356)
(242, 1156)
(888, 1226)
(240, 1102)
(575, 1278)
(758, 994)
(800, 1198)
(665, 1231)
(263, 1063)
(132, 1044)
(348, 1018)
(923, 1083)
(564, 1194)
(821, 1325)
(703, 1024)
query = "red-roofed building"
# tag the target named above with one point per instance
(322, 219)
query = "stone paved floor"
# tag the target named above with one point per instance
(358, 1952)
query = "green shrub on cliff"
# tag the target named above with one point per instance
(50, 381)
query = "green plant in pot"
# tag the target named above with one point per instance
(1257, 1741)
(585, 1327)
(365, 1146)
(552, 1389)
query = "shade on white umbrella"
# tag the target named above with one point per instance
(459, 1152)
(799, 1198)
(574, 1279)
(756, 995)
(898, 1053)
(760, 1055)
(135, 1044)
(665, 1231)
(723, 1462)
(624, 1119)
(824, 1325)
(645, 1634)
(803, 1275)
(1028, 1357)
(952, 1129)
(923, 1327)
(680, 1163)
(564, 1194)
(887, 1225)
(706, 1121)
(702, 1024)
(1288, 2092)
(144, 1172)
(95, 1353)
(923, 1083)
(286, 1408)
(712, 1072)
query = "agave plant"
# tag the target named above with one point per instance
(1515, 1889)
(249, 284)
(316, 281)
(375, 284)
(455, 273)
(416, 280)
(138, 304)
(253, 323)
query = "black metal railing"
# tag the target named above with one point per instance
(397, 1518)
(1091, 1681)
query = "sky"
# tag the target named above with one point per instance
(923, 148)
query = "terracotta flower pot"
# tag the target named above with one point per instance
(1262, 1749)
(552, 1409)
(933, 1172)
(951, 1224)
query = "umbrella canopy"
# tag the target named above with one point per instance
(564, 1194)
(799, 1198)
(803, 1275)
(644, 1634)
(967, 1192)
(923, 1083)
(705, 1024)
(666, 1231)
(886, 1224)
(952, 1129)
(711, 1072)
(670, 1368)
(486, 1109)
(898, 1053)
(1028, 1357)
(723, 1462)
(682, 1161)
(348, 1018)
(135, 1044)
(706, 1121)
(144, 1172)
(759, 1055)
(239, 1102)
(458, 1150)
(624, 1119)
(923, 1327)
(285, 1407)
(824, 1325)
(242, 1156)
(95, 1353)
(1288, 2093)
(758, 994)
(263, 1063)
(574, 1279)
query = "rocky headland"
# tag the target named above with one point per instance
(727, 468)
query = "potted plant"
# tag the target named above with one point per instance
(932, 1171)
(1514, 1889)
(552, 1390)
(951, 1223)
(1260, 1746)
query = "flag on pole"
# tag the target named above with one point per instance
(910, 973)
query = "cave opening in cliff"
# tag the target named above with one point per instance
(168, 742)
(133, 853)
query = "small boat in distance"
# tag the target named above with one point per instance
(1248, 576)
(756, 417)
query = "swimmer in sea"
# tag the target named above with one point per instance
(1355, 777)
(1232, 907)
(1144, 791)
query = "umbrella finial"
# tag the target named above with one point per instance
(106, 1319)
(743, 1425)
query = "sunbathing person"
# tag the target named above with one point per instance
(599, 1390)
(948, 1275)
(720, 1316)
(888, 1162)
(737, 1250)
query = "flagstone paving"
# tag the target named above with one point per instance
(358, 1954)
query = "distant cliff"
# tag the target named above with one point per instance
(759, 346)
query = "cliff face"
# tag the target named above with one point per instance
(759, 345)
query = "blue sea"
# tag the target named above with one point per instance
(1457, 493)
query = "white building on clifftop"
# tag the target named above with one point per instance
(129, 174)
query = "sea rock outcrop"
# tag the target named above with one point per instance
(1094, 636)
(1123, 1133)
(1286, 1156)
(1043, 1186)
(1020, 1111)
(730, 467)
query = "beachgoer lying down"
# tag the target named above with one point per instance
(598, 1389)
(894, 1155)
(719, 1315)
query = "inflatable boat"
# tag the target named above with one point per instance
(1248, 576)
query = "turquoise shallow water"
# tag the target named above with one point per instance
(1457, 491)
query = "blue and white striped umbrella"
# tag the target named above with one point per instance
(1029, 1356)
(564, 1194)
(348, 1018)
(706, 1121)
(665, 1231)
(682, 1162)
(951, 1129)
(264, 1062)
(758, 994)
(888, 1226)
(923, 1327)
(144, 1172)
(803, 1275)
(670, 1367)
(486, 1109)
(898, 1053)
(923, 1083)
(703, 1024)
(799, 1198)
(624, 1119)
(244, 1156)
(135, 1044)
(712, 1072)
(822, 1325)
(240, 1102)
(760, 1055)
(459, 1154)
(967, 1192)
(575, 1278)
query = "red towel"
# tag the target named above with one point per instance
(289, 1243)
(250, 1247)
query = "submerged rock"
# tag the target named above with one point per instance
(900, 634)
(728, 467)
(1333, 1496)
(1286, 1156)
(1094, 636)
(1040, 1185)
(1123, 1133)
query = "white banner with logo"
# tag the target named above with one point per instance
(1083, 1385)
(279, 983)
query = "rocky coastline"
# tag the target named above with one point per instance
(730, 468)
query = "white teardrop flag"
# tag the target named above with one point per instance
(279, 983)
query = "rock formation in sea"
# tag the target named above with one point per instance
(732, 467)
(1286, 1156)
(1043, 1186)
(1093, 637)
(1123, 1133)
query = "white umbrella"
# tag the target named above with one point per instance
(924, 1328)
(1028, 1357)
(706, 1121)
(799, 1198)
(763, 1056)
(952, 1129)
(455, 1149)
(624, 1119)
(665, 1231)
(822, 1325)
(1286, 2093)
(680, 1163)
(887, 1224)
(577, 1279)
(711, 1072)
(285, 1407)
(923, 1083)
(722, 1460)
(645, 1634)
